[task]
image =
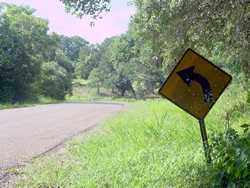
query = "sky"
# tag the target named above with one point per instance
(113, 23)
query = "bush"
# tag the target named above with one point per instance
(231, 158)
(55, 81)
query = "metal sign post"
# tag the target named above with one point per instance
(205, 140)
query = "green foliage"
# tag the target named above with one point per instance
(209, 27)
(25, 49)
(96, 79)
(231, 158)
(71, 46)
(19, 62)
(88, 60)
(87, 7)
(64, 62)
(136, 63)
(55, 82)
(154, 144)
(111, 65)
(38, 101)
(136, 149)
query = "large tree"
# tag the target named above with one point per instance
(116, 68)
(55, 81)
(210, 27)
(22, 40)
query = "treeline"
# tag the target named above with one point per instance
(34, 63)
(118, 65)
(220, 30)
(137, 62)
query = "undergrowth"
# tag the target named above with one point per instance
(153, 144)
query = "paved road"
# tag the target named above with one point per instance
(29, 132)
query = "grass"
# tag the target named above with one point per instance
(83, 93)
(80, 99)
(87, 96)
(153, 145)
(41, 100)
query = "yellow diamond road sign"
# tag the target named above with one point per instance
(195, 84)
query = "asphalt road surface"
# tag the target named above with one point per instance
(28, 132)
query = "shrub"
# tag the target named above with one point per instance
(231, 158)
(55, 81)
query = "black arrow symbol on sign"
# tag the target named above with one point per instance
(188, 75)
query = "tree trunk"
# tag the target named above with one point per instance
(123, 92)
(98, 89)
(133, 91)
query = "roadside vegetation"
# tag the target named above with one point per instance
(153, 144)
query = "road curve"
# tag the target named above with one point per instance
(29, 132)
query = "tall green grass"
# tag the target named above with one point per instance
(153, 144)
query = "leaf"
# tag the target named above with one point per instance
(245, 127)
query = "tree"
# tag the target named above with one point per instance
(55, 82)
(207, 26)
(25, 49)
(72, 46)
(32, 30)
(116, 68)
(93, 8)
(88, 60)
(64, 62)
(20, 56)
(96, 79)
